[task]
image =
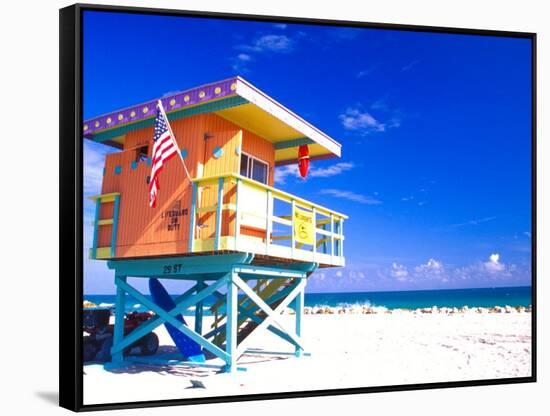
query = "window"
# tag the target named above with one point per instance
(244, 165)
(259, 171)
(141, 153)
(254, 168)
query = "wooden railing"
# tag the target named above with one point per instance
(254, 206)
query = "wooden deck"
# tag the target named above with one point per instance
(259, 259)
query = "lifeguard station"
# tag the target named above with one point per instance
(227, 228)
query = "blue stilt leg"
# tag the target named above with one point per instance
(299, 310)
(118, 334)
(231, 326)
(199, 310)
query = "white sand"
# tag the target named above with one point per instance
(347, 351)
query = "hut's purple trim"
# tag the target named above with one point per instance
(198, 95)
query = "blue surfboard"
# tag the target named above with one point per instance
(187, 347)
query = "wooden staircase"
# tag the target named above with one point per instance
(269, 290)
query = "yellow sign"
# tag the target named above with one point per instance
(303, 226)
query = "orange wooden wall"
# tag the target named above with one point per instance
(143, 231)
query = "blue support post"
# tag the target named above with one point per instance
(314, 216)
(237, 214)
(324, 240)
(199, 309)
(96, 228)
(299, 310)
(336, 240)
(192, 219)
(115, 225)
(292, 225)
(219, 215)
(341, 238)
(231, 325)
(332, 237)
(268, 221)
(118, 334)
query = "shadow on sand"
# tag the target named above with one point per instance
(251, 357)
(50, 397)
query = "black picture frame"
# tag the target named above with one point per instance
(71, 216)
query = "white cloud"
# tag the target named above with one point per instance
(354, 278)
(432, 264)
(472, 222)
(275, 43)
(469, 223)
(493, 269)
(241, 61)
(355, 119)
(244, 57)
(389, 274)
(494, 265)
(282, 172)
(380, 104)
(410, 65)
(280, 25)
(432, 268)
(393, 122)
(285, 171)
(351, 196)
(94, 162)
(331, 170)
(371, 116)
(367, 71)
(269, 43)
(399, 271)
(266, 43)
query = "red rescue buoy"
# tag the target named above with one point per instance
(303, 160)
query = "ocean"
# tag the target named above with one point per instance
(483, 297)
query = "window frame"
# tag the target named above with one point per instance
(249, 167)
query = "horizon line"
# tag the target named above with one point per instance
(369, 291)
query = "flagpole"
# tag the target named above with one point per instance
(173, 137)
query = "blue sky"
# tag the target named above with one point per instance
(435, 173)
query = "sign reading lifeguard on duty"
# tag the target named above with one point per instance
(303, 226)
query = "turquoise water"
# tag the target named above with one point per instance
(484, 297)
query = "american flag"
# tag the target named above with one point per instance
(164, 148)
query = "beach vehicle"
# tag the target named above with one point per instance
(98, 338)
(219, 220)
